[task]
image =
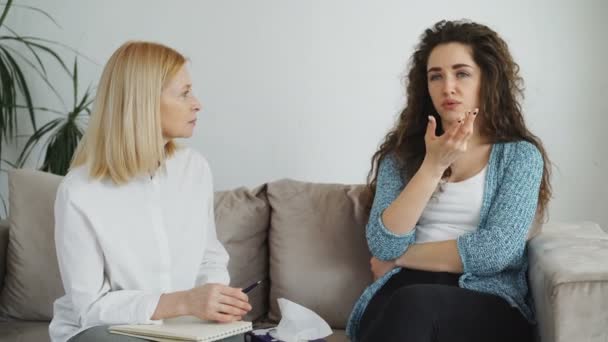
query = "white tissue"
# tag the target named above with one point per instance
(299, 323)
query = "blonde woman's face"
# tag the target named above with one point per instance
(178, 106)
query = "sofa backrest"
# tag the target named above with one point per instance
(242, 218)
(32, 278)
(318, 251)
(306, 240)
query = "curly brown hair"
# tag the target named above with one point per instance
(500, 93)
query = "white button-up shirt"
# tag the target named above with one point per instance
(120, 247)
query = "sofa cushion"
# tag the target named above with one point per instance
(32, 279)
(318, 252)
(569, 282)
(242, 219)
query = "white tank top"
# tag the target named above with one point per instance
(453, 211)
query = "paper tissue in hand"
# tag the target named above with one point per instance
(297, 324)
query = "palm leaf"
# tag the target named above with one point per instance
(22, 83)
(42, 70)
(27, 41)
(42, 75)
(13, 165)
(31, 49)
(44, 109)
(69, 48)
(61, 148)
(48, 16)
(62, 135)
(36, 138)
(75, 80)
(14, 83)
(8, 95)
(5, 11)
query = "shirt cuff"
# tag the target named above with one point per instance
(146, 308)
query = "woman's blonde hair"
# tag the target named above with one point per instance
(124, 137)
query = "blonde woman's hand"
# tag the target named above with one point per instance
(380, 268)
(442, 151)
(217, 302)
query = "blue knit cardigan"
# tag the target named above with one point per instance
(494, 256)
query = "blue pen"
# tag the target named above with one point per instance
(252, 286)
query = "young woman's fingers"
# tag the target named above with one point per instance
(451, 134)
(431, 128)
(466, 129)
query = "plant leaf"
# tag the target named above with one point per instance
(8, 99)
(75, 80)
(78, 53)
(25, 59)
(22, 83)
(42, 76)
(61, 148)
(44, 109)
(5, 11)
(35, 139)
(14, 166)
(46, 49)
(39, 11)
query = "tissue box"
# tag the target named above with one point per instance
(264, 335)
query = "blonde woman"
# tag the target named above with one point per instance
(134, 225)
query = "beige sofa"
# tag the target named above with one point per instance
(308, 241)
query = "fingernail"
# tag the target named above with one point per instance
(430, 118)
(476, 111)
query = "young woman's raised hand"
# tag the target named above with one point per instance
(443, 150)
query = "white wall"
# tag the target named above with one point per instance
(307, 89)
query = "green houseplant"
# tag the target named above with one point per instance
(59, 136)
(12, 73)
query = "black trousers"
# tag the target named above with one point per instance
(419, 306)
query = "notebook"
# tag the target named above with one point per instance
(183, 329)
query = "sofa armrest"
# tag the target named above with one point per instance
(3, 248)
(569, 282)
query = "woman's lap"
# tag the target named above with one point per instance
(429, 306)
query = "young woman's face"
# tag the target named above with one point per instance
(178, 106)
(454, 80)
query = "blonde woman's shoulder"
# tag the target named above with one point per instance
(191, 158)
(77, 181)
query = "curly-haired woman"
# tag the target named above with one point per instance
(457, 185)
